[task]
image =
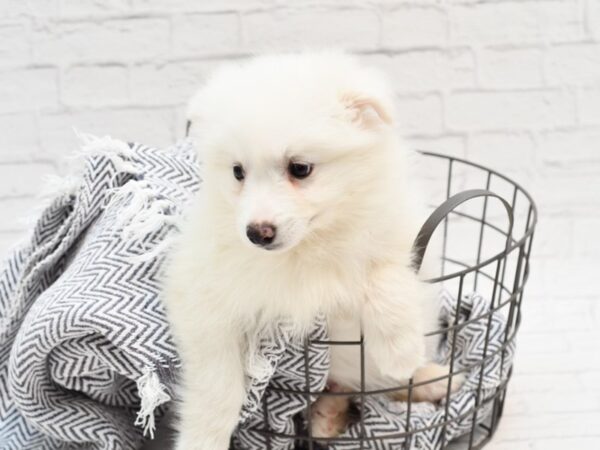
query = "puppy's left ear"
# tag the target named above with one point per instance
(367, 112)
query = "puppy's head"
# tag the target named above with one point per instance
(291, 145)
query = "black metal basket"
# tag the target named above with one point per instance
(487, 226)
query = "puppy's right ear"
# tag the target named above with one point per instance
(201, 106)
(194, 114)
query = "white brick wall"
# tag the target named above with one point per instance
(510, 83)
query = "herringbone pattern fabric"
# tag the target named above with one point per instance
(80, 304)
(384, 418)
(82, 323)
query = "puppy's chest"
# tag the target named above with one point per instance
(304, 291)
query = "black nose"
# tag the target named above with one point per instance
(261, 233)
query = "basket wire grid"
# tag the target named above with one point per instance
(501, 274)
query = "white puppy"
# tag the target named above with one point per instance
(305, 207)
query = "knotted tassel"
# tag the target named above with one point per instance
(152, 394)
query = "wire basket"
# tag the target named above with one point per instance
(483, 230)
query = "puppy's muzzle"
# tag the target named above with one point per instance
(261, 234)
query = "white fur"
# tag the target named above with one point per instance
(344, 233)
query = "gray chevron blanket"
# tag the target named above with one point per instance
(86, 360)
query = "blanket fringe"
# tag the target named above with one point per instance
(146, 212)
(152, 394)
(116, 150)
(144, 215)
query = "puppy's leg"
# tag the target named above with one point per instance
(393, 322)
(329, 414)
(212, 395)
(212, 388)
(434, 391)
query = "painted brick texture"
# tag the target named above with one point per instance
(511, 84)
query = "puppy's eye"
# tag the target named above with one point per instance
(300, 170)
(238, 172)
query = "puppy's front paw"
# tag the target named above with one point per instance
(329, 416)
(433, 391)
(401, 360)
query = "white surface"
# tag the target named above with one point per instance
(513, 84)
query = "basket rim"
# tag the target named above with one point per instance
(514, 243)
